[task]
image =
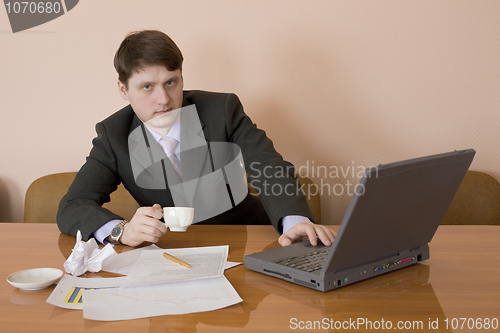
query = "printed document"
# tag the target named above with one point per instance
(123, 262)
(155, 285)
(153, 268)
(161, 299)
(68, 292)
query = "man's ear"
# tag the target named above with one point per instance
(122, 90)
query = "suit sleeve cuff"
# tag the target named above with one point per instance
(290, 221)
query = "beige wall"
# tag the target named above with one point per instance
(339, 84)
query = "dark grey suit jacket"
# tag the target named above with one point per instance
(223, 120)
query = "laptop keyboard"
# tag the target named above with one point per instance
(307, 262)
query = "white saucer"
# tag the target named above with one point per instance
(35, 279)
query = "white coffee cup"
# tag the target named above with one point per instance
(178, 218)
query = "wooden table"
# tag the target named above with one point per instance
(461, 280)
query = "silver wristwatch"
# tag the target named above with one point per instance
(117, 231)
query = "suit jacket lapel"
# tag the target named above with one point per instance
(194, 150)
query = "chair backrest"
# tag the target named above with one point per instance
(477, 201)
(45, 193)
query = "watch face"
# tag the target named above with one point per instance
(116, 232)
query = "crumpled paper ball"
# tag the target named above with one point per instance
(86, 256)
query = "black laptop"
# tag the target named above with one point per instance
(393, 215)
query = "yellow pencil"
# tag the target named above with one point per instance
(174, 259)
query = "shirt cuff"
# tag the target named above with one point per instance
(290, 221)
(103, 232)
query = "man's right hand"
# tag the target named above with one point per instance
(145, 226)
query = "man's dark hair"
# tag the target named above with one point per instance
(146, 48)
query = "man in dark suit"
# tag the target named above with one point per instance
(149, 65)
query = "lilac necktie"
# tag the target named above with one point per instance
(168, 145)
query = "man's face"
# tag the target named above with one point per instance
(154, 92)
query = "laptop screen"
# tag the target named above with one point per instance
(397, 207)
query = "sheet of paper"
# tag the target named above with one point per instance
(153, 268)
(68, 292)
(231, 264)
(158, 300)
(122, 263)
